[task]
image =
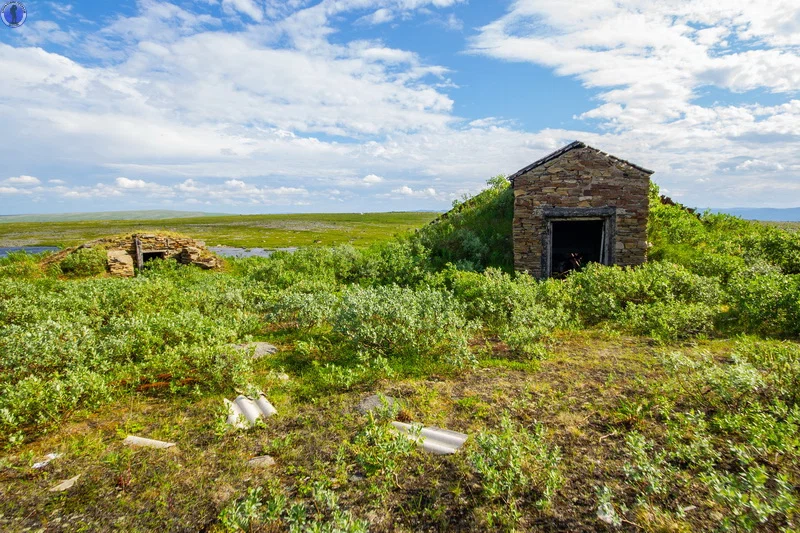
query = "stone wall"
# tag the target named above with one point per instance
(581, 182)
(121, 251)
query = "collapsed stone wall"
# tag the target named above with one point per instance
(582, 180)
(122, 252)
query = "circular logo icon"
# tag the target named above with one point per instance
(14, 14)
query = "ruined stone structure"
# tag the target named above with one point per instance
(579, 205)
(128, 252)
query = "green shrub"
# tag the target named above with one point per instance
(514, 463)
(764, 301)
(302, 310)
(70, 345)
(405, 323)
(84, 262)
(20, 265)
(399, 262)
(307, 270)
(669, 320)
(381, 452)
(476, 233)
(601, 293)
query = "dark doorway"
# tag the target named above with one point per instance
(574, 244)
(149, 256)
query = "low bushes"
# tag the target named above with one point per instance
(84, 262)
(730, 439)
(70, 345)
(512, 463)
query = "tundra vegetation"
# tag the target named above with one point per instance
(657, 398)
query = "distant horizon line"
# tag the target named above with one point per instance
(188, 214)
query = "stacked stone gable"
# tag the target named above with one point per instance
(580, 181)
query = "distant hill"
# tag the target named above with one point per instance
(790, 214)
(106, 215)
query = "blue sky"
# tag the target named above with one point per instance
(255, 106)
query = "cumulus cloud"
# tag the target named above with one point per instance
(283, 109)
(405, 190)
(23, 180)
(372, 179)
(649, 63)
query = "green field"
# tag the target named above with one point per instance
(246, 231)
(661, 398)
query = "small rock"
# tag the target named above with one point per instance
(47, 458)
(371, 403)
(355, 478)
(66, 484)
(282, 376)
(263, 461)
(260, 349)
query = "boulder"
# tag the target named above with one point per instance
(263, 461)
(371, 403)
(260, 349)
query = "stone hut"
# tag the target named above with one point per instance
(579, 205)
(128, 251)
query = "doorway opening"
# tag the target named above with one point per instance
(574, 243)
(149, 256)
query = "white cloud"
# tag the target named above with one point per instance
(649, 63)
(282, 113)
(651, 58)
(372, 179)
(44, 31)
(405, 190)
(230, 192)
(23, 180)
(247, 7)
(125, 183)
(57, 182)
(13, 190)
(380, 16)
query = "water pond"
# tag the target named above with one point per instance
(4, 251)
(225, 251)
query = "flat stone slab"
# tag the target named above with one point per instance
(263, 461)
(376, 401)
(132, 440)
(260, 349)
(65, 485)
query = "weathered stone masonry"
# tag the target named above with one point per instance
(123, 253)
(580, 182)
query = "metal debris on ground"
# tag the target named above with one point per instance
(47, 458)
(243, 411)
(377, 401)
(263, 461)
(66, 484)
(432, 439)
(132, 440)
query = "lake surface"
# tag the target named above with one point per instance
(225, 251)
(232, 251)
(4, 251)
